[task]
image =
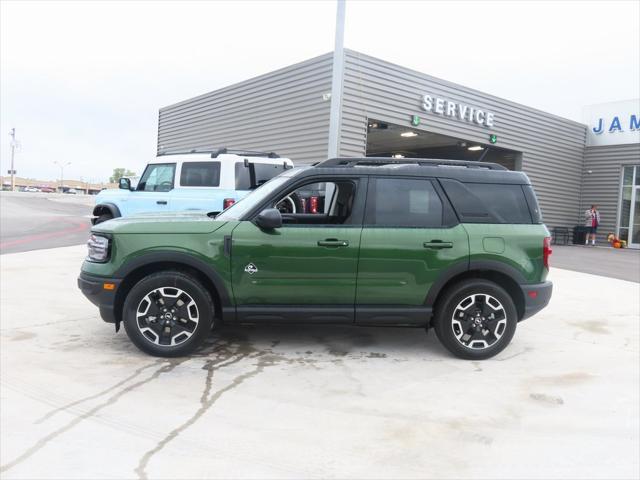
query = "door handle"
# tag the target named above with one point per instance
(333, 242)
(161, 202)
(437, 244)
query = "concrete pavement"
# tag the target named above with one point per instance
(33, 221)
(79, 401)
(622, 263)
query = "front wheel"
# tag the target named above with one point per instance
(168, 314)
(476, 319)
(103, 218)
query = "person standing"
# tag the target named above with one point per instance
(591, 220)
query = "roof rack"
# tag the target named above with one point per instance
(431, 162)
(219, 151)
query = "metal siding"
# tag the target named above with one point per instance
(553, 147)
(602, 186)
(282, 111)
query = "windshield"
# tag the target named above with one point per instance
(240, 208)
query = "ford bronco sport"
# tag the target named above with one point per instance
(454, 245)
(194, 180)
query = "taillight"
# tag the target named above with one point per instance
(313, 204)
(546, 251)
(228, 202)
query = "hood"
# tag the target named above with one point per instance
(165, 222)
(110, 193)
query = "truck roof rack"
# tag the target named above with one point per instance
(219, 151)
(431, 162)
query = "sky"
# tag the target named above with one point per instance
(82, 82)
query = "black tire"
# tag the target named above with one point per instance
(103, 218)
(452, 333)
(171, 282)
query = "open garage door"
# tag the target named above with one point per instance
(389, 140)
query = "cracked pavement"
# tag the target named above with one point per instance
(79, 401)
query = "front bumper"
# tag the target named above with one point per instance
(536, 297)
(93, 287)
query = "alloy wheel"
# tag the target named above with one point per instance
(479, 321)
(167, 316)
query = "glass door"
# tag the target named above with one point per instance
(629, 229)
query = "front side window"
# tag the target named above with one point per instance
(157, 177)
(319, 203)
(239, 209)
(402, 202)
(200, 174)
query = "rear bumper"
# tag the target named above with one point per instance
(536, 297)
(92, 287)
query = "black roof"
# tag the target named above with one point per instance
(462, 170)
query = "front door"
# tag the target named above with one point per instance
(409, 238)
(309, 263)
(153, 191)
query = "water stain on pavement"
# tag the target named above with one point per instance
(167, 366)
(592, 326)
(572, 378)
(548, 399)
(21, 335)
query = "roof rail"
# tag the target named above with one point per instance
(432, 162)
(219, 151)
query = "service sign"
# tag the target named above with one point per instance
(613, 123)
(456, 110)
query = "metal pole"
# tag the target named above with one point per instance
(61, 165)
(336, 83)
(13, 148)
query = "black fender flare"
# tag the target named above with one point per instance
(184, 259)
(473, 265)
(113, 209)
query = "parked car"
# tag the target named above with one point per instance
(47, 190)
(209, 181)
(71, 191)
(31, 189)
(454, 245)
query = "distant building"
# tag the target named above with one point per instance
(49, 185)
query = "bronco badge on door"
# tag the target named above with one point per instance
(251, 269)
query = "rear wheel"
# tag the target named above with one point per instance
(476, 319)
(168, 314)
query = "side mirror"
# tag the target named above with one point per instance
(124, 184)
(269, 218)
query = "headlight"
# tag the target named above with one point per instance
(98, 248)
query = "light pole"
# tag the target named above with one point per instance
(13, 148)
(336, 84)
(61, 165)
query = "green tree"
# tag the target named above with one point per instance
(118, 173)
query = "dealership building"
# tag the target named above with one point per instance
(389, 110)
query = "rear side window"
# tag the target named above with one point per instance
(532, 201)
(488, 202)
(252, 175)
(200, 174)
(402, 202)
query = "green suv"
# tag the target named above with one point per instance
(454, 245)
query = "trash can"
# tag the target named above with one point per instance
(580, 234)
(560, 235)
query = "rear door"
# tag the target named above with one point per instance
(410, 236)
